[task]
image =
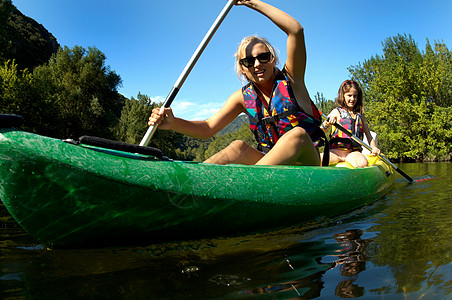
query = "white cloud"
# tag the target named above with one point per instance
(184, 105)
(194, 111)
(157, 98)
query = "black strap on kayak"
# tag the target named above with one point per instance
(120, 146)
(319, 135)
(10, 120)
(353, 144)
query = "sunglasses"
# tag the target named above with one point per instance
(262, 58)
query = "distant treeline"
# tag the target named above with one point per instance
(73, 93)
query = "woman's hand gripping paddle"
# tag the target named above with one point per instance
(169, 99)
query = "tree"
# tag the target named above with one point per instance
(407, 95)
(23, 39)
(325, 106)
(5, 12)
(132, 127)
(82, 93)
(21, 94)
(132, 123)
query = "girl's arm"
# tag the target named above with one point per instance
(372, 142)
(333, 117)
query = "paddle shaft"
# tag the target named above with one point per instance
(359, 141)
(169, 99)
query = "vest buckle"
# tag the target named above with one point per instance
(268, 120)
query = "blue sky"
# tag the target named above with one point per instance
(149, 42)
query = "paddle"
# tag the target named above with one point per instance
(359, 141)
(169, 99)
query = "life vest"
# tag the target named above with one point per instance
(340, 140)
(269, 122)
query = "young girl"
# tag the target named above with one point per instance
(349, 114)
(282, 116)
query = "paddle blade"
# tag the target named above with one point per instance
(424, 178)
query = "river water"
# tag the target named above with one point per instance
(396, 248)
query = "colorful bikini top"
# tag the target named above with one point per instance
(269, 122)
(355, 126)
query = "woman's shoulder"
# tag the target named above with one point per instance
(239, 92)
(237, 97)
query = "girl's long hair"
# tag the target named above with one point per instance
(345, 87)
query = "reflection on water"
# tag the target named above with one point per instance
(397, 248)
(414, 236)
(350, 258)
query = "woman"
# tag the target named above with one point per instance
(282, 115)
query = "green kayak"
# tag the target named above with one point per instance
(78, 195)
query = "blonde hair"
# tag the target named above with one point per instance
(246, 41)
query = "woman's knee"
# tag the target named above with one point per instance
(233, 153)
(299, 131)
(241, 153)
(297, 135)
(239, 145)
(240, 150)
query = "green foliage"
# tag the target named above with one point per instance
(325, 106)
(132, 127)
(173, 144)
(193, 149)
(222, 141)
(407, 93)
(73, 95)
(5, 12)
(200, 150)
(132, 123)
(408, 99)
(81, 91)
(188, 148)
(235, 125)
(23, 39)
(19, 94)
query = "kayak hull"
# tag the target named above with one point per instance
(69, 195)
